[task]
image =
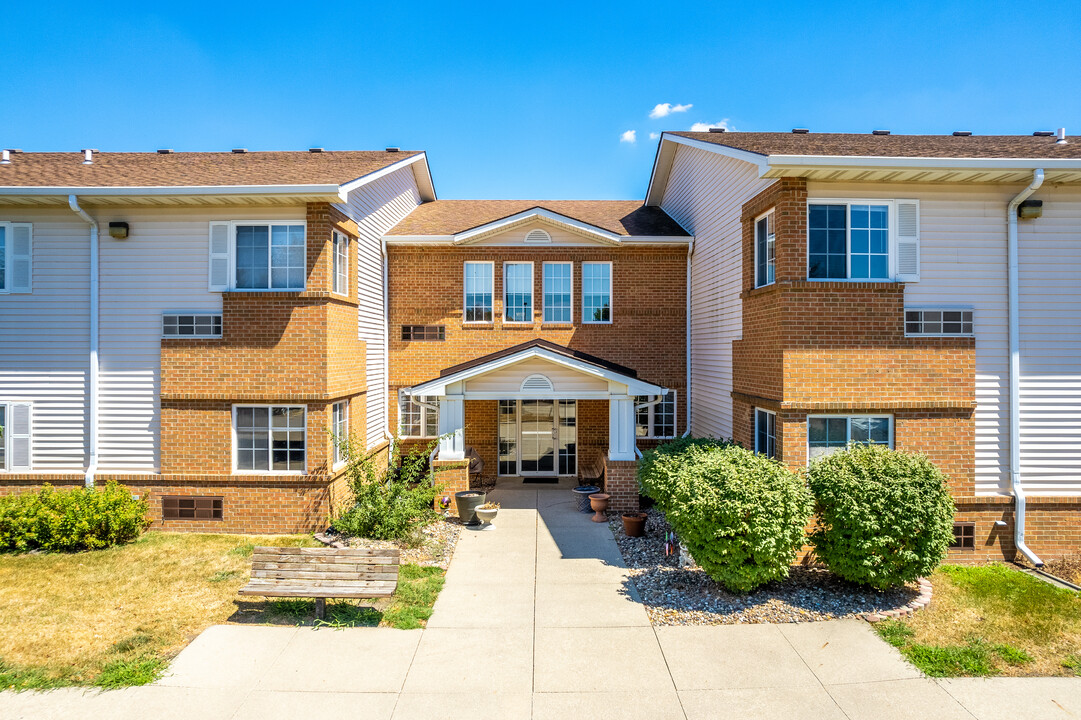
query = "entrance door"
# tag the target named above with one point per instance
(537, 448)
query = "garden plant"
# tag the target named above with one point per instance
(71, 520)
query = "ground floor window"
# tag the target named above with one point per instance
(828, 434)
(416, 420)
(340, 427)
(538, 437)
(14, 436)
(765, 432)
(270, 438)
(657, 420)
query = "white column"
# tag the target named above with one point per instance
(620, 427)
(451, 427)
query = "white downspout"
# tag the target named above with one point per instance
(1015, 366)
(687, 399)
(92, 421)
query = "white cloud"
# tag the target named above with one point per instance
(654, 136)
(665, 109)
(704, 127)
(631, 136)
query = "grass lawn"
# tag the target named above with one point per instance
(991, 620)
(113, 618)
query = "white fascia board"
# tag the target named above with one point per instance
(320, 190)
(780, 162)
(657, 184)
(363, 180)
(463, 238)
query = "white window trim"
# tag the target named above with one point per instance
(611, 293)
(465, 291)
(848, 203)
(651, 419)
(334, 262)
(532, 293)
(848, 427)
(307, 440)
(339, 461)
(940, 308)
(544, 306)
(758, 450)
(9, 253)
(771, 211)
(200, 313)
(423, 419)
(232, 255)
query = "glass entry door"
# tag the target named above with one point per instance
(537, 428)
(538, 437)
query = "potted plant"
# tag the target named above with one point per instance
(634, 524)
(467, 502)
(581, 496)
(487, 512)
(599, 502)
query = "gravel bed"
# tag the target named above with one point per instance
(676, 596)
(435, 549)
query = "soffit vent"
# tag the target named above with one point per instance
(538, 236)
(537, 383)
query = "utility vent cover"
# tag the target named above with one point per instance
(536, 383)
(538, 236)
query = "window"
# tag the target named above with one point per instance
(270, 438)
(596, 292)
(518, 292)
(269, 257)
(341, 264)
(340, 427)
(424, 332)
(3, 436)
(938, 322)
(826, 435)
(964, 536)
(508, 437)
(764, 248)
(658, 420)
(557, 292)
(15, 429)
(416, 420)
(15, 257)
(191, 325)
(478, 292)
(848, 241)
(191, 508)
(765, 432)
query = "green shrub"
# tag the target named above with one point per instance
(71, 520)
(391, 503)
(742, 516)
(884, 517)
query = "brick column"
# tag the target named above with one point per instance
(621, 482)
(453, 475)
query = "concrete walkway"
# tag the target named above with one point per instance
(538, 619)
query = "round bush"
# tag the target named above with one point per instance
(71, 520)
(742, 516)
(884, 517)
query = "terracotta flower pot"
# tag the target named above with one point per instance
(599, 503)
(634, 524)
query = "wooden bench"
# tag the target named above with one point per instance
(592, 467)
(322, 573)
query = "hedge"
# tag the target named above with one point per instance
(71, 520)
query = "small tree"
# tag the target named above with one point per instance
(885, 517)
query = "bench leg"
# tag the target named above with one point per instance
(320, 608)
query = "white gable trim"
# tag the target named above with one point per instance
(666, 152)
(569, 223)
(438, 387)
(422, 175)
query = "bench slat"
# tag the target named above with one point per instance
(302, 575)
(320, 582)
(316, 567)
(310, 592)
(323, 572)
(330, 552)
(308, 560)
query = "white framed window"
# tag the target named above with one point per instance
(657, 420)
(16, 257)
(254, 255)
(416, 420)
(826, 434)
(765, 432)
(340, 428)
(863, 240)
(937, 322)
(558, 281)
(270, 438)
(193, 324)
(596, 292)
(518, 292)
(15, 436)
(477, 292)
(764, 250)
(341, 263)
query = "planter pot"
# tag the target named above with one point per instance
(467, 502)
(634, 524)
(486, 516)
(581, 496)
(599, 503)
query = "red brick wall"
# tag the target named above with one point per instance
(621, 482)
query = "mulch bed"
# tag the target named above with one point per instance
(1067, 568)
(435, 549)
(676, 596)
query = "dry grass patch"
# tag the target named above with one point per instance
(1067, 568)
(991, 620)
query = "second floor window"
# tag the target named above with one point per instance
(270, 257)
(416, 420)
(557, 292)
(863, 240)
(596, 292)
(764, 243)
(16, 257)
(518, 292)
(341, 264)
(478, 292)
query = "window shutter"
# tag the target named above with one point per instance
(908, 240)
(21, 257)
(219, 257)
(19, 436)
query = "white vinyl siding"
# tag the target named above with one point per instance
(705, 195)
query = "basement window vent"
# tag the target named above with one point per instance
(424, 332)
(939, 322)
(536, 383)
(538, 236)
(194, 325)
(191, 508)
(964, 536)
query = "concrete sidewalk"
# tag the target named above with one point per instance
(538, 619)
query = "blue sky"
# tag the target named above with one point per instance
(524, 100)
